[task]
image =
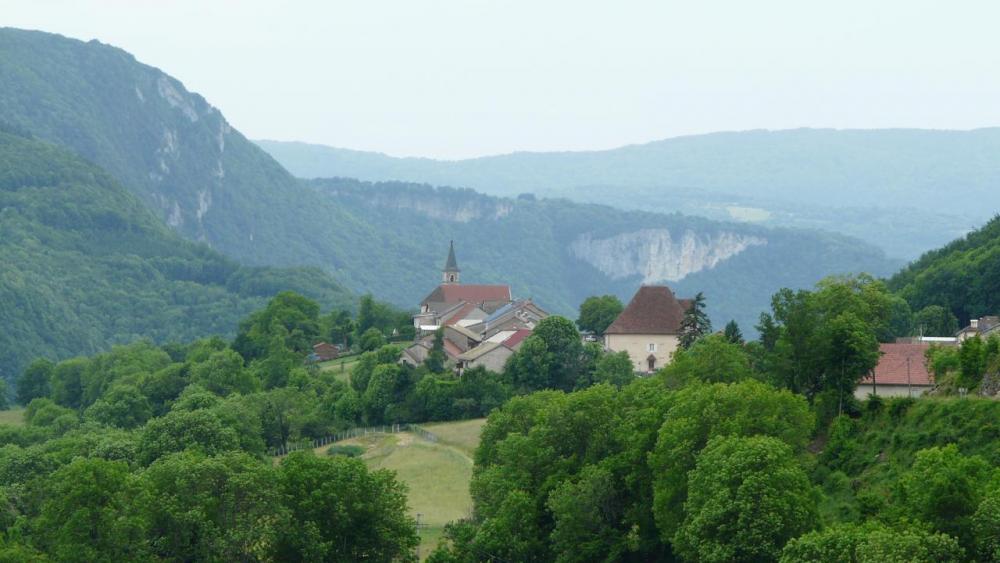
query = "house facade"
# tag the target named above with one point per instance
(982, 327)
(902, 371)
(648, 329)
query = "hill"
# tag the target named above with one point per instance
(86, 265)
(963, 276)
(903, 190)
(179, 156)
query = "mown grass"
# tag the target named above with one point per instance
(437, 474)
(341, 367)
(464, 434)
(13, 416)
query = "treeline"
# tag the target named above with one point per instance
(963, 277)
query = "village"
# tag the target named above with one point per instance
(483, 325)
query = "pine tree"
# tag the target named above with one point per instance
(436, 358)
(733, 332)
(695, 323)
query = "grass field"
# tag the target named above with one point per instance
(12, 416)
(437, 474)
(341, 367)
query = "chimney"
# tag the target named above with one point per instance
(974, 323)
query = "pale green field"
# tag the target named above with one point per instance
(12, 416)
(437, 474)
(341, 367)
(464, 434)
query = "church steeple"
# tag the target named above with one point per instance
(451, 273)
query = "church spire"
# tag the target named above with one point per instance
(451, 271)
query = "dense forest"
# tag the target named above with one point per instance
(963, 276)
(902, 190)
(181, 158)
(86, 266)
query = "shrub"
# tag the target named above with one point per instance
(349, 450)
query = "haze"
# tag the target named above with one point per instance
(461, 78)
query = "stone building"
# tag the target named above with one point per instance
(649, 327)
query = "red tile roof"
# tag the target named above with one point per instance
(451, 349)
(653, 310)
(514, 340)
(897, 359)
(453, 293)
(460, 314)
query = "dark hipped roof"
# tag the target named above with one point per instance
(901, 364)
(653, 310)
(453, 293)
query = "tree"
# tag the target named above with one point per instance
(935, 320)
(873, 542)
(551, 357)
(223, 373)
(292, 318)
(124, 406)
(86, 514)
(986, 527)
(340, 511)
(733, 333)
(222, 508)
(372, 339)
(597, 313)
(944, 488)
(972, 360)
(712, 359)
(702, 412)
(436, 358)
(695, 323)
(850, 352)
(34, 382)
(180, 430)
(615, 368)
(747, 497)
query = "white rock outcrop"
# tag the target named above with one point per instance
(657, 256)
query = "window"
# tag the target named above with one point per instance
(651, 347)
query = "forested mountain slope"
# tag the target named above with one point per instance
(904, 190)
(963, 276)
(83, 265)
(560, 252)
(186, 163)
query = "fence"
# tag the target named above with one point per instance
(288, 448)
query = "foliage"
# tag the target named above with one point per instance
(747, 497)
(873, 543)
(695, 323)
(712, 359)
(598, 312)
(552, 357)
(339, 511)
(733, 333)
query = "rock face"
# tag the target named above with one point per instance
(657, 256)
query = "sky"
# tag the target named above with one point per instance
(463, 78)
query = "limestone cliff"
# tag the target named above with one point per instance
(657, 256)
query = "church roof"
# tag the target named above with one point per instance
(454, 293)
(653, 310)
(452, 264)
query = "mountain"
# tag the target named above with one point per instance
(559, 252)
(963, 276)
(903, 190)
(85, 265)
(198, 174)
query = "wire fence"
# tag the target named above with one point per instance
(360, 431)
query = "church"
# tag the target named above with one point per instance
(481, 324)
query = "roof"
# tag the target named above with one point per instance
(465, 332)
(451, 349)
(460, 314)
(453, 293)
(515, 339)
(653, 310)
(480, 351)
(901, 364)
(451, 265)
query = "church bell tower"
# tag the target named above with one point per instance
(451, 273)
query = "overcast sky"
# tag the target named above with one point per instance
(459, 78)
